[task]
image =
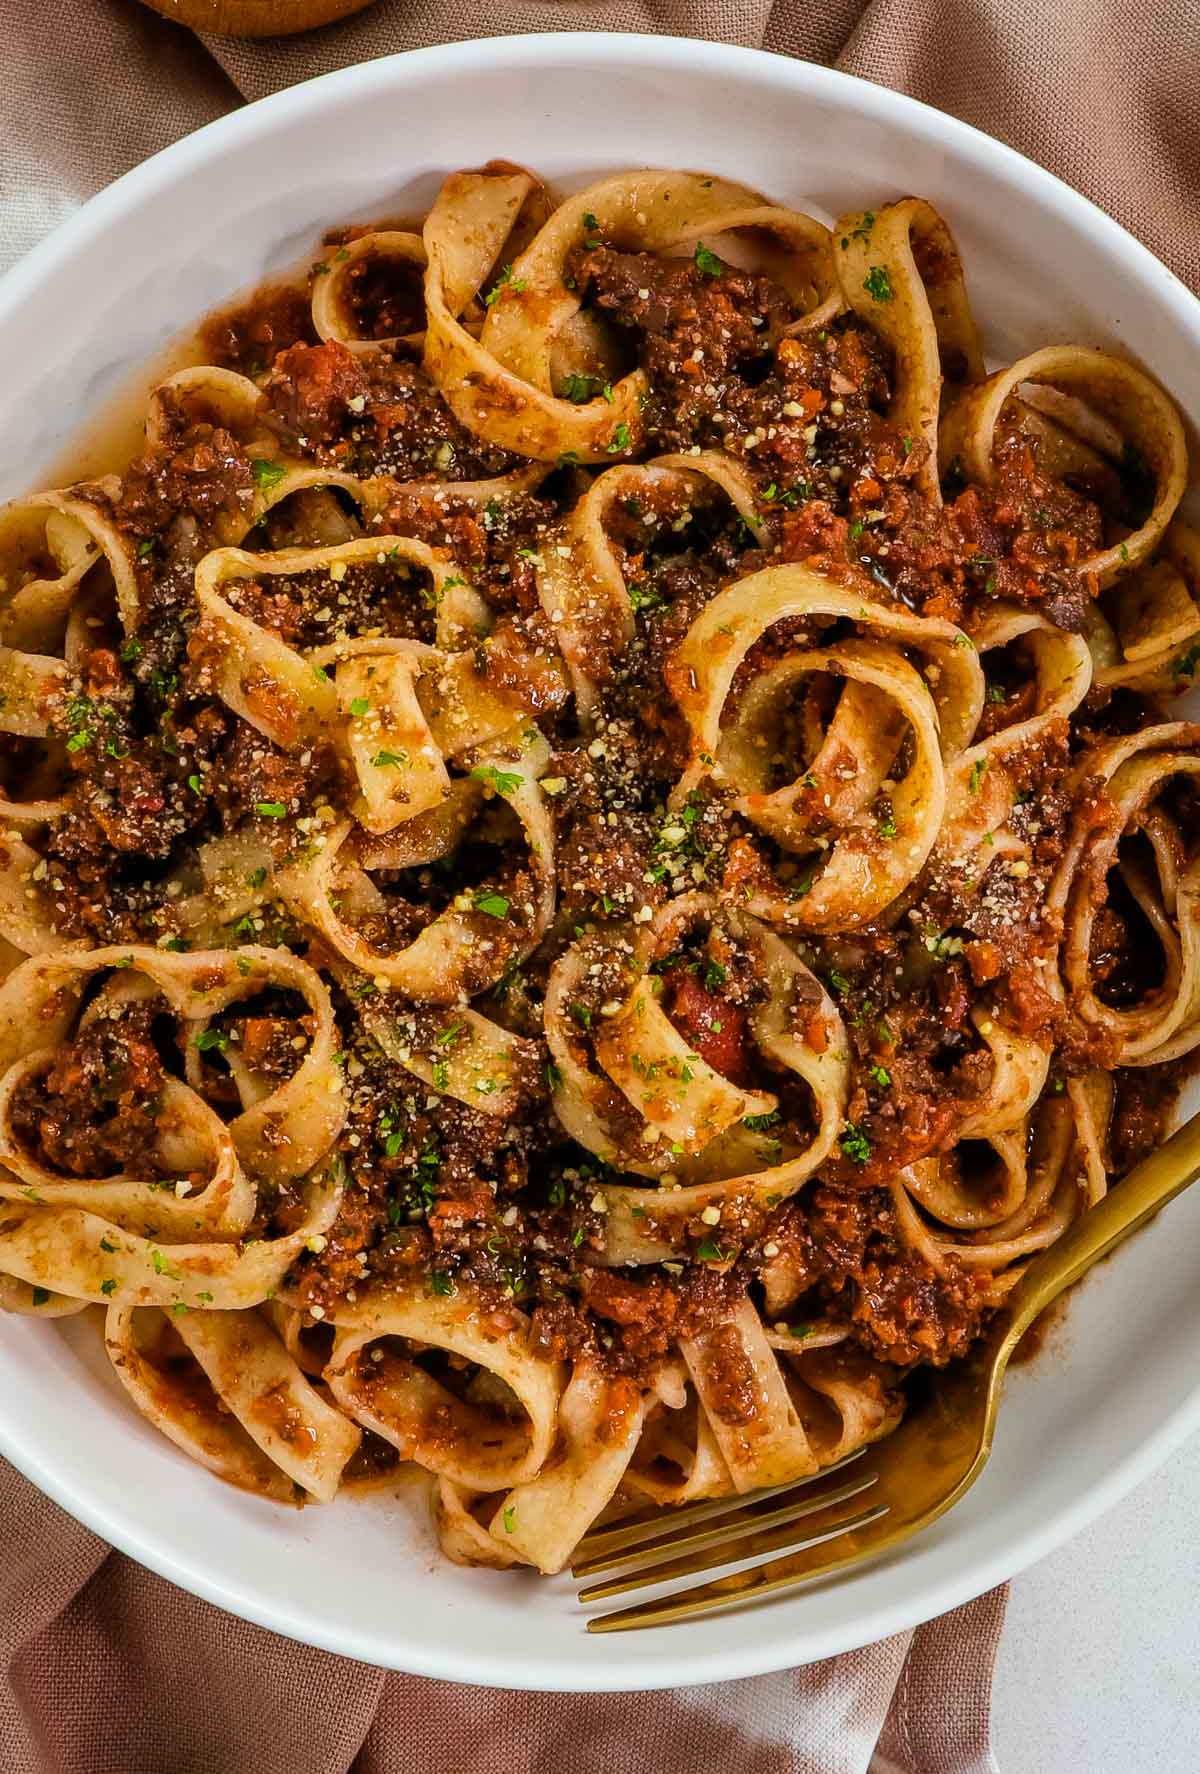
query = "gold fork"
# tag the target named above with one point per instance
(894, 1489)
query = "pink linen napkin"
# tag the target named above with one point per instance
(106, 1669)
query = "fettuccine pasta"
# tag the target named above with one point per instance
(595, 851)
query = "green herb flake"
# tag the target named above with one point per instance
(862, 230)
(506, 280)
(270, 809)
(707, 263)
(578, 388)
(855, 1144)
(266, 474)
(505, 782)
(494, 904)
(878, 284)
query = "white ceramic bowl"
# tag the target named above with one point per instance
(1120, 1387)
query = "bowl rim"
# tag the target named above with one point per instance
(595, 51)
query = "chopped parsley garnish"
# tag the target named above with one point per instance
(620, 439)
(440, 1283)
(207, 1039)
(359, 707)
(270, 809)
(878, 284)
(510, 1519)
(839, 982)
(862, 230)
(710, 1252)
(389, 760)
(1185, 665)
(761, 1123)
(645, 598)
(266, 474)
(505, 782)
(707, 263)
(881, 1076)
(494, 904)
(41, 1295)
(978, 772)
(506, 280)
(855, 1144)
(108, 1288)
(582, 1015)
(579, 388)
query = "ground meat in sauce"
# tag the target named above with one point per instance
(93, 1111)
(897, 1308)
(151, 765)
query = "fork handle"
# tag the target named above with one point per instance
(1136, 1199)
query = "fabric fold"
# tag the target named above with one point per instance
(106, 1669)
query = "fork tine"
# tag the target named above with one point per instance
(704, 1598)
(748, 1544)
(666, 1522)
(678, 1545)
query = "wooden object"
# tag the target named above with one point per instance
(256, 18)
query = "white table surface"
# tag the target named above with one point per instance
(1099, 1667)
